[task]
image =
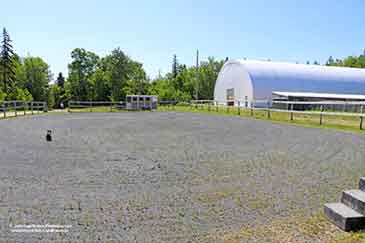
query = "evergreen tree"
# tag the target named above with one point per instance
(175, 67)
(60, 81)
(7, 64)
(330, 61)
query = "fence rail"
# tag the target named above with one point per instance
(94, 104)
(20, 107)
(316, 108)
(321, 109)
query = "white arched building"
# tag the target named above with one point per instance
(241, 80)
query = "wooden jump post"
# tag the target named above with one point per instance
(361, 117)
(321, 116)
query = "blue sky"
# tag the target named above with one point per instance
(152, 31)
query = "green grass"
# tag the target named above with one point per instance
(95, 109)
(298, 228)
(343, 123)
(352, 237)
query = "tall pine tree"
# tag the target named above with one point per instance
(7, 63)
(175, 67)
(60, 81)
(330, 61)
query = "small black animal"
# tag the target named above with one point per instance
(49, 136)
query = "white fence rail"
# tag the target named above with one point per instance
(20, 107)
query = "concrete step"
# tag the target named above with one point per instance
(355, 199)
(362, 184)
(344, 217)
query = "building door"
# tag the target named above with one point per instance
(230, 97)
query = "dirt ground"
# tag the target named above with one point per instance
(165, 176)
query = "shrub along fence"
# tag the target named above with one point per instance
(15, 108)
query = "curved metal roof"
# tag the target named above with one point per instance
(267, 76)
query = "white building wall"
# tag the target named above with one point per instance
(258, 79)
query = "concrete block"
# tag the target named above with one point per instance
(362, 184)
(344, 217)
(355, 199)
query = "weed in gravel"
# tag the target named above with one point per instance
(352, 237)
(298, 228)
(258, 203)
(211, 197)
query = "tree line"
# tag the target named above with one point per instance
(111, 77)
(22, 78)
(95, 78)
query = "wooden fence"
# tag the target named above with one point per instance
(318, 108)
(20, 107)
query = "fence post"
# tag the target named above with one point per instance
(14, 104)
(91, 106)
(252, 106)
(31, 106)
(239, 108)
(246, 102)
(361, 117)
(216, 106)
(24, 104)
(111, 106)
(209, 106)
(4, 109)
(268, 110)
(321, 116)
(291, 113)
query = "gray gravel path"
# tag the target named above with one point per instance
(165, 176)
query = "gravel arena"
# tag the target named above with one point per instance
(165, 176)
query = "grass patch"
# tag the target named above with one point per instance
(100, 109)
(352, 237)
(343, 123)
(299, 228)
(214, 196)
(96, 109)
(258, 203)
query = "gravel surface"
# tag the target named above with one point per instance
(173, 177)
